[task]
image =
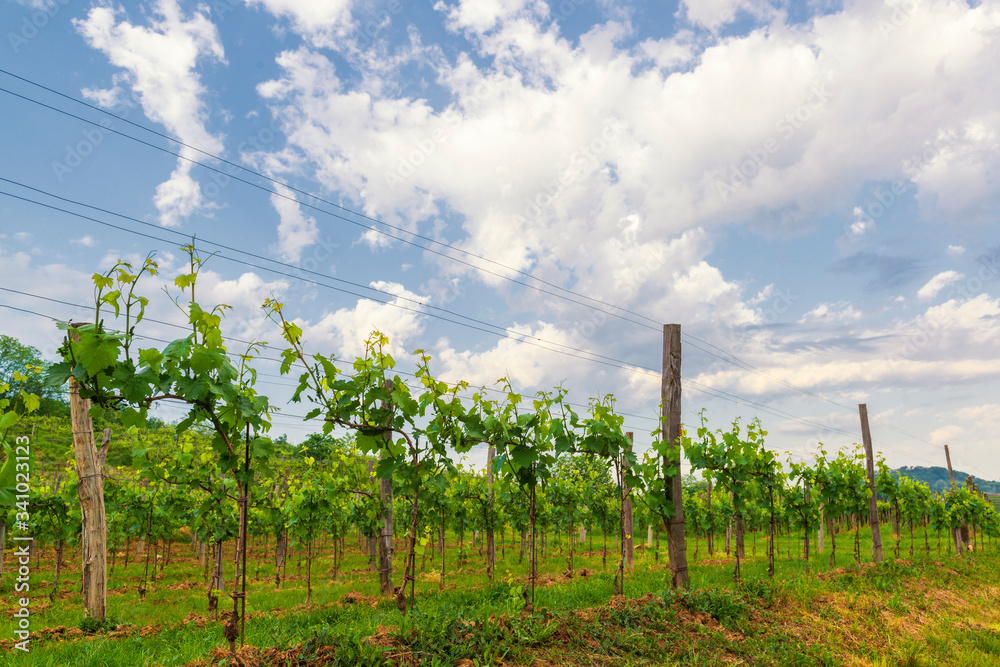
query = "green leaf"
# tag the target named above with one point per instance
(7, 473)
(193, 389)
(523, 457)
(7, 420)
(56, 375)
(204, 360)
(132, 417)
(31, 401)
(261, 448)
(178, 349)
(185, 280)
(151, 358)
(96, 352)
(101, 281)
(111, 298)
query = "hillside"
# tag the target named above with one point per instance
(936, 477)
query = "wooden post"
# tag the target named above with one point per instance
(956, 533)
(372, 539)
(628, 526)
(951, 473)
(866, 436)
(385, 545)
(805, 534)
(819, 534)
(491, 552)
(90, 489)
(140, 544)
(670, 395)
(739, 532)
(708, 510)
(218, 583)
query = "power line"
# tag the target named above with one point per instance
(738, 362)
(275, 359)
(636, 369)
(718, 393)
(371, 228)
(314, 196)
(502, 332)
(261, 357)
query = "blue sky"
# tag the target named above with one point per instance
(810, 189)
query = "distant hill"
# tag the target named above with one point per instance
(936, 477)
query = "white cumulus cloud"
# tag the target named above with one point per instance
(160, 66)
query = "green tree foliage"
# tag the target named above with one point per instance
(21, 368)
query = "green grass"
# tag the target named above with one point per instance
(933, 610)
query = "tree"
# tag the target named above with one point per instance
(320, 446)
(20, 370)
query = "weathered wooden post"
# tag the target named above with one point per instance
(670, 394)
(866, 436)
(385, 544)
(956, 533)
(90, 488)
(628, 526)
(708, 510)
(491, 552)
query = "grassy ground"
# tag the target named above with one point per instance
(915, 610)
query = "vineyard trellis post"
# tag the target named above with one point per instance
(491, 552)
(670, 395)
(90, 488)
(628, 522)
(956, 533)
(385, 543)
(708, 511)
(372, 539)
(866, 437)
(819, 533)
(805, 532)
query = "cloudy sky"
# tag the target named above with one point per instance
(534, 188)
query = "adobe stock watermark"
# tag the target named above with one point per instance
(376, 21)
(74, 154)
(368, 27)
(583, 160)
(565, 8)
(749, 167)
(446, 292)
(874, 207)
(878, 202)
(626, 288)
(929, 328)
(314, 268)
(776, 302)
(756, 8)
(779, 303)
(423, 149)
(30, 26)
(257, 141)
(901, 13)
(828, 426)
(22, 542)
